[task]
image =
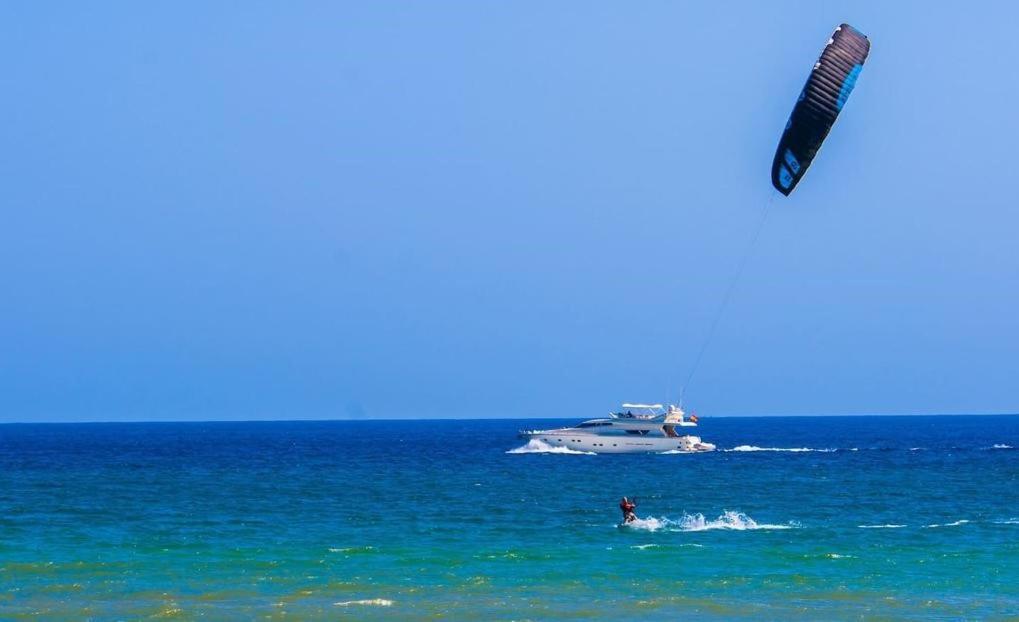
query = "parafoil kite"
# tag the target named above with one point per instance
(827, 89)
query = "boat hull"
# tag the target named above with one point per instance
(618, 444)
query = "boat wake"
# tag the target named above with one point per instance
(536, 446)
(958, 523)
(952, 524)
(791, 449)
(728, 520)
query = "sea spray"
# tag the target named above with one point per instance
(537, 446)
(728, 520)
(648, 524)
(737, 521)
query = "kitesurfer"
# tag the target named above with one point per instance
(628, 507)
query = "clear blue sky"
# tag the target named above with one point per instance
(469, 209)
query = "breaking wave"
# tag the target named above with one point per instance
(885, 526)
(537, 446)
(1001, 446)
(728, 520)
(792, 449)
(1010, 521)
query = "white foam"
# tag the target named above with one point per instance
(953, 524)
(729, 519)
(538, 446)
(1001, 446)
(647, 524)
(838, 556)
(643, 546)
(791, 449)
(376, 602)
(1010, 521)
(917, 449)
(885, 526)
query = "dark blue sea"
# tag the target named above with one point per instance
(793, 518)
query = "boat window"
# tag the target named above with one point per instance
(594, 424)
(637, 432)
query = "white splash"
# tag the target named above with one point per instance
(737, 521)
(643, 546)
(885, 526)
(728, 520)
(790, 449)
(1001, 446)
(538, 446)
(953, 524)
(838, 556)
(647, 524)
(377, 602)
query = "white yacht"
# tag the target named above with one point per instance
(638, 428)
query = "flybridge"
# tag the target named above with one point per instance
(655, 412)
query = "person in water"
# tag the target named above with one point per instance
(628, 507)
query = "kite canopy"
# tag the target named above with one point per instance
(827, 89)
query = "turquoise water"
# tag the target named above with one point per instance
(876, 517)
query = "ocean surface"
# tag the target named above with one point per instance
(793, 518)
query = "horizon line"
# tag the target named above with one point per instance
(370, 419)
